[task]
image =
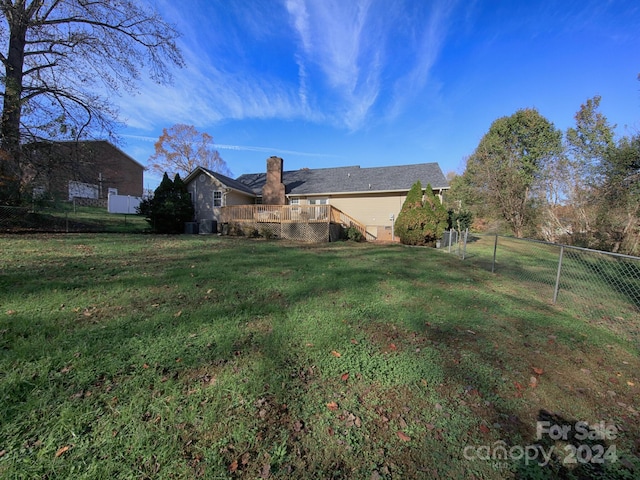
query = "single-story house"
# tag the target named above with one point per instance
(90, 169)
(370, 198)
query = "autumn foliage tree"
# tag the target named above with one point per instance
(62, 61)
(182, 148)
(422, 219)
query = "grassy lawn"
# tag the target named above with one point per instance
(65, 217)
(599, 289)
(133, 356)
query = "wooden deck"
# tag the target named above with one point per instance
(298, 222)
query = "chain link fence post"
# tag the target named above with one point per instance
(495, 249)
(557, 287)
(464, 249)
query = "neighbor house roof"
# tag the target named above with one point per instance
(352, 179)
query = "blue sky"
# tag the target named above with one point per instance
(382, 82)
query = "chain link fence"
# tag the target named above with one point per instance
(11, 214)
(601, 287)
(67, 217)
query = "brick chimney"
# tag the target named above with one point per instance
(273, 190)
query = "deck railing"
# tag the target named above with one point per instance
(338, 216)
(276, 213)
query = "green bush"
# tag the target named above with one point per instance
(352, 233)
(169, 208)
(267, 232)
(421, 221)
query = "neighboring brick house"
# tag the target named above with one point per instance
(86, 169)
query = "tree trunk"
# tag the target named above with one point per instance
(10, 169)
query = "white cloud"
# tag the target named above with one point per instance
(245, 148)
(346, 67)
(358, 46)
(429, 42)
(333, 40)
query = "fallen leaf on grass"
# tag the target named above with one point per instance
(332, 406)
(2, 453)
(538, 371)
(484, 428)
(11, 312)
(354, 341)
(519, 389)
(234, 466)
(345, 377)
(335, 354)
(178, 313)
(403, 436)
(533, 382)
(393, 347)
(62, 450)
(631, 384)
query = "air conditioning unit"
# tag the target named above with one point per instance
(208, 226)
(191, 228)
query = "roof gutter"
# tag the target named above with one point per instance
(359, 192)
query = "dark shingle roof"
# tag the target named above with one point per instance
(229, 182)
(351, 179)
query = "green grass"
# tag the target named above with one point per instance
(131, 356)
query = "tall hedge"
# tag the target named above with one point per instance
(422, 219)
(170, 206)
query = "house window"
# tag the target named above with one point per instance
(294, 201)
(319, 201)
(217, 198)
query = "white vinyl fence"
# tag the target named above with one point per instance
(123, 204)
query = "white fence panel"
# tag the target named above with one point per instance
(123, 204)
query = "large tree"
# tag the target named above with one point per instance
(588, 147)
(505, 166)
(618, 214)
(62, 59)
(182, 148)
